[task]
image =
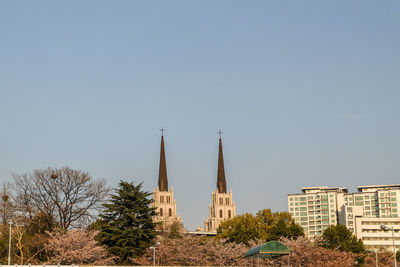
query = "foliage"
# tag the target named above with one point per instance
(307, 254)
(341, 238)
(70, 196)
(266, 226)
(242, 229)
(195, 251)
(76, 247)
(126, 226)
(385, 259)
(175, 230)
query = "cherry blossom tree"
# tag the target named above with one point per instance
(76, 247)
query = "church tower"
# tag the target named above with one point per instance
(222, 206)
(163, 198)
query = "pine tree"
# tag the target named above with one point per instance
(126, 226)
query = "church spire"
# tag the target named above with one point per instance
(162, 176)
(221, 182)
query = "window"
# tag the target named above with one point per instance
(303, 199)
(303, 208)
(168, 199)
(221, 201)
(393, 193)
(161, 212)
(227, 201)
(161, 199)
(229, 214)
(220, 213)
(170, 212)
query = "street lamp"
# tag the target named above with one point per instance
(376, 254)
(153, 248)
(9, 245)
(384, 227)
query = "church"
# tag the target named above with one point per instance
(163, 197)
(222, 206)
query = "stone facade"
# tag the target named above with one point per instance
(222, 207)
(165, 205)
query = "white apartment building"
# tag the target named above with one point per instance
(316, 208)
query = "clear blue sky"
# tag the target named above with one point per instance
(307, 93)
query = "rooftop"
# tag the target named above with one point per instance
(323, 188)
(385, 186)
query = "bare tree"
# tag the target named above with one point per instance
(71, 197)
(6, 203)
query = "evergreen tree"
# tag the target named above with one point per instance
(339, 237)
(126, 226)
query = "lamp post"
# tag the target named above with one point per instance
(153, 248)
(9, 245)
(376, 254)
(384, 227)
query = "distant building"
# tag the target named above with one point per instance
(363, 212)
(316, 208)
(222, 206)
(163, 198)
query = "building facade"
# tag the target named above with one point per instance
(222, 205)
(316, 208)
(163, 197)
(363, 212)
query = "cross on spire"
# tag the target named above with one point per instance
(220, 133)
(162, 130)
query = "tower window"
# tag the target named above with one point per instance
(229, 214)
(227, 201)
(161, 199)
(161, 212)
(168, 199)
(221, 201)
(170, 212)
(220, 213)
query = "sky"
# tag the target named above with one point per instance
(306, 94)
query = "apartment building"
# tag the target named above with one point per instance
(316, 208)
(363, 212)
(377, 200)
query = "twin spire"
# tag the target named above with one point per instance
(162, 176)
(221, 182)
